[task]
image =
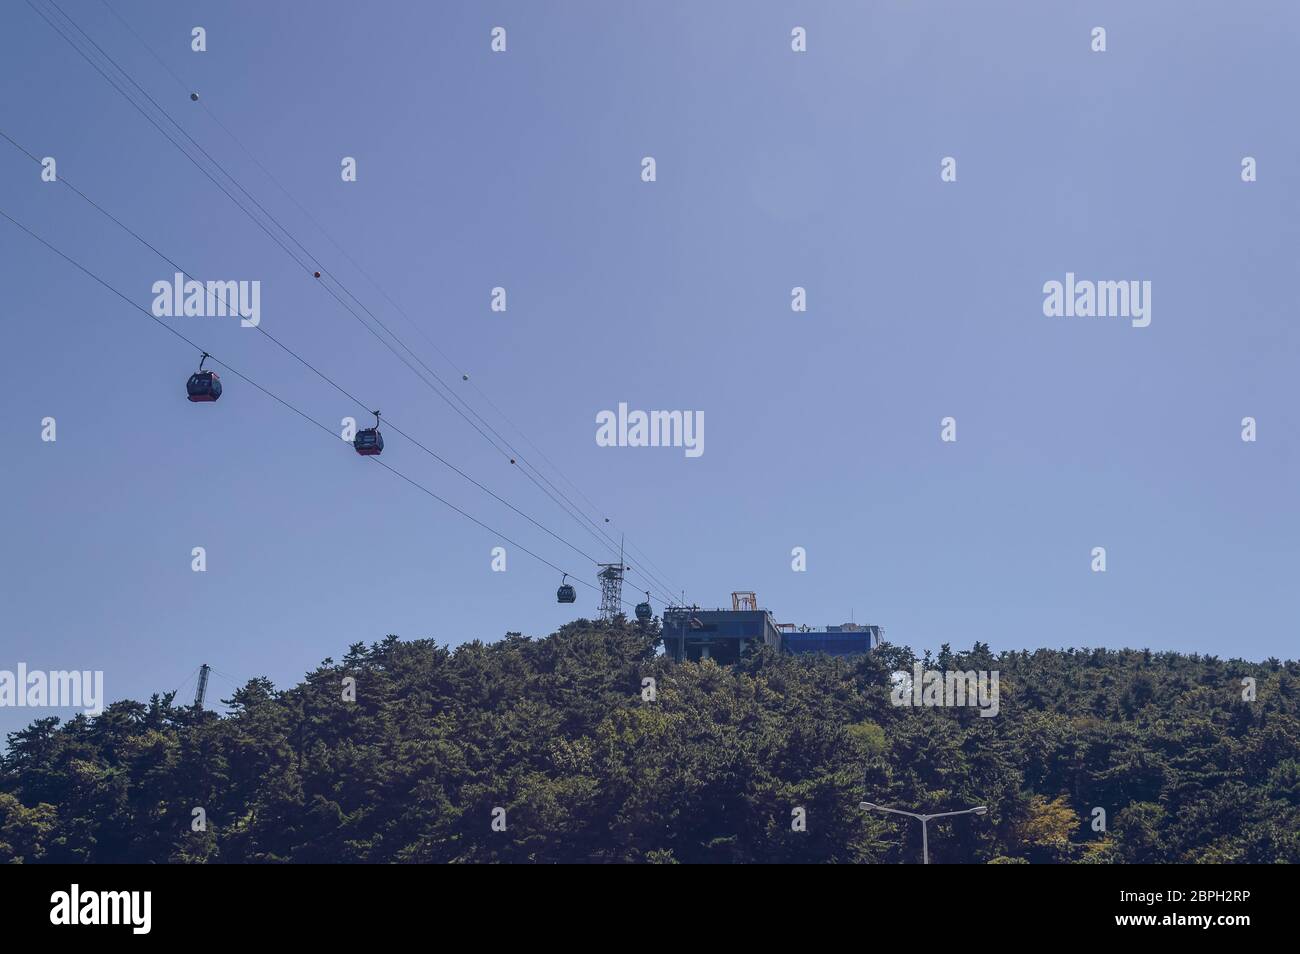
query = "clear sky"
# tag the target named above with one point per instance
(775, 169)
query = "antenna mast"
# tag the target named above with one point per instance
(203, 686)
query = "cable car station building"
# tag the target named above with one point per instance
(691, 633)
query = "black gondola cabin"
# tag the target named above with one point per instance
(566, 593)
(203, 386)
(369, 442)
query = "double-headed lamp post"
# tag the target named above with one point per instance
(924, 820)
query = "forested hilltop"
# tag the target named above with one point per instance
(557, 732)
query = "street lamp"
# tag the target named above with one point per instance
(924, 819)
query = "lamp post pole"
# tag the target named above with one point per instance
(924, 820)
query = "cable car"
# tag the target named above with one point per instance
(566, 592)
(643, 610)
(203, 385)
(369, 442)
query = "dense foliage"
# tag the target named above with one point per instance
(556, 732)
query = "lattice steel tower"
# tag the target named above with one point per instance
(611, 590)
(611, 587)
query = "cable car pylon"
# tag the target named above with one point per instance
(611, 587)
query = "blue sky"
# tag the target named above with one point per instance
(774, 169)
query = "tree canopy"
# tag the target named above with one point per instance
(557, 750)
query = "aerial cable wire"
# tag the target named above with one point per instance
(276, 239)
(279, 400)
(512, 453)
(303, 361)
(112, 82)
(269, 233)
(656, 580)
(185, 682)
(568, 505)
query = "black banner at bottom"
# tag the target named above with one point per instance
(303, 902)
